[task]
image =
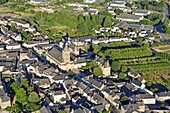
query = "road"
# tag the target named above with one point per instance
(159, 27)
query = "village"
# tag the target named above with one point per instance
(85, 74)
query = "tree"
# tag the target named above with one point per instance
(121, 76)
(21, 96)
(124, 98)
(61, 111)
(118, 11)
(129, 4)
(32, 107)
(97, 71)
(2, 1)
(24, 83)
(15, 86)
(166, 26)
(33, 97)
(154, 90)
(12, 27)
(24, 34)
(30, 88)
(124, 69)
(107, 22)
(148, 84)
(115, 66)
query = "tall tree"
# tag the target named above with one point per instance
(115, 66)
(33, 97)
(21, 96)
(97, 71)
(107, 22)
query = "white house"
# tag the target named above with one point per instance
(129, 17)
(147, 98)
(162, 96)
(58, 95)
(118, 4)
(30, 44)
(93, 11)
(142, 12)
(89, 1)
(13, 46)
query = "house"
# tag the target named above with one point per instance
(37, 1)
(47, 9)
(129, 17)
(125, 9)
(162, 96)
(4, 99)
(3, 21)
(99, 100)
(13, 45)
(45, 109)
(96, 83)
(92, 11)
(77, 5)
(105, 66)
(4, 30)
(147, 98)
(59, 78)
(111, 12)
(89, 1)
(20, 22)
(134, 108)
(2, 46)
(133, 74)
(40, 49)
(117, 4)
(138, 84)
(42, 82)
(30, 44)
(58, 95)
(129, 89)
(141, 12)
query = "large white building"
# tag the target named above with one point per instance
(142, 12)
(129, 17)
(89, 1)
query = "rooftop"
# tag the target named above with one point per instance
(129, 16)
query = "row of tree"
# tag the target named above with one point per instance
(128, 53)
(150, 66)
(164, 55)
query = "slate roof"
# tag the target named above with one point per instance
(56, 53)
(129, 16)
(79, 110)
(3, 96)
(19, 21)
(130, 87)
(141, 11)
(43, 81)
(95, 82)
(81, 85)
(161, 94)
(136, 82)
(59, 77)
(45, 109)
(145, 96)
